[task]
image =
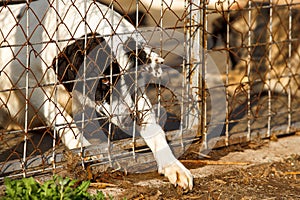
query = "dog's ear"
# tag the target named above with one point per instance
(71, 58)
(131, 17)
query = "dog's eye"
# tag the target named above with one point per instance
(143, 57)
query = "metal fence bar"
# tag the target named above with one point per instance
(109, 145)
(227, 121)
(55, 132)
(270, 68)
(249, 72)
(290, 68)
(24, 161)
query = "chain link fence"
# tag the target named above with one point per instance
(260, 44)
(226, 76)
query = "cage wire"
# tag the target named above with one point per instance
(261, 73)
(229, 77)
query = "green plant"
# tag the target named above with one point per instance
(57, 188)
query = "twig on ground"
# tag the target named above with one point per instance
(201, 154)
(291, 173)
(212, 162)
(101, 185)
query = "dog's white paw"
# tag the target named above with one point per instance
(178, 175)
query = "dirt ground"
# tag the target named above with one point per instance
(262, 170)
(265, 169)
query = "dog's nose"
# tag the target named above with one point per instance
(159, 60)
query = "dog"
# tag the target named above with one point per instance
(272, 66)
(31, 78)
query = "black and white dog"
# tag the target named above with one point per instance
(32, 38)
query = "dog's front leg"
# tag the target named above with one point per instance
(151, 132)
(55, 115)
(155, 138)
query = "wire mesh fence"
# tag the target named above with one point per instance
(261, 71)
(214, 76)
